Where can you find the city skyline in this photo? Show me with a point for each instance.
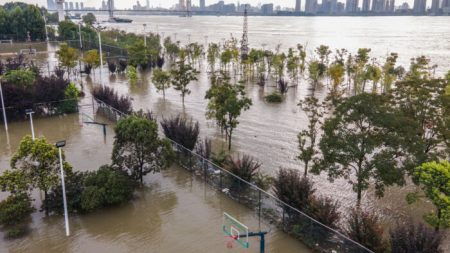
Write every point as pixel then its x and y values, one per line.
pixel 171 3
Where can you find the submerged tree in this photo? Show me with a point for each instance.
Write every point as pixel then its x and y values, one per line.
pixel 137 147
pixel 181 76
pixel 358 144
pixel 38 160
pixel 307 139
pixel 226 103
pixel 161 80
pixel 67 56
pixel 412 237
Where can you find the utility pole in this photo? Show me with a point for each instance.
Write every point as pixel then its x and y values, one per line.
pixel 60 145
pixel 3 107
pixel 244 42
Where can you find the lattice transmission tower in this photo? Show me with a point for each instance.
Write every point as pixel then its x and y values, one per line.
pixel 244 42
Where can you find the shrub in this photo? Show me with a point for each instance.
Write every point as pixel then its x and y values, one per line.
pixel 325 210
pixel 132 73
pixel 74 183
pixel 365 228
pixel 22 77
pixel 70 103
pixel 293 189
pixel 112 66
pixel 245 166
pixel 15 209
pixel 283 86
pixel 181 130
pixel 106 187
pixel 110 97
pixel 412 237
pixel 274 97
pixel 204 149
pixel 122 65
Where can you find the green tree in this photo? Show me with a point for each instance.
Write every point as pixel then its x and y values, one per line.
pixel 307 139
pixel 89 19
pixel 336 72
pixel 38 160
pixel 92 58
pixel 226 103
pixel 434 179
pixel 424 103
pixel 67 56
pixel 161 80
pixel 181 76
pixel 67 30
pixel 358 144
pixel 137 147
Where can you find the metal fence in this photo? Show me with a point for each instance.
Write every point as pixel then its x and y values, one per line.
pixel 311 232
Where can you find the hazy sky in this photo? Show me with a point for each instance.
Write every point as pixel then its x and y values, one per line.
pixel 122 4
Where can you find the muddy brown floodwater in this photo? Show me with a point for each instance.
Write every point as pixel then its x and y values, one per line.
pixel 266 131
pixel 175 212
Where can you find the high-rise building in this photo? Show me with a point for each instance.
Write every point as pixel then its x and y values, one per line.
pixel 267 9
pixel 51 5
pixel 311 6
pixel 70 5
pixel 202 4
pixel 366 6
pixel 182 5
pixel 298 5
pixel 66 5
pixel 333 6
pixel 391 6
pixel 379 5
pixel 77 5
pixel 351 6
pixel 435 6
pixel 148 4
pixel 420 7
pixel 82 5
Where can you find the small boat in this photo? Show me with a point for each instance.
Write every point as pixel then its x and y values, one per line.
pixel 120 20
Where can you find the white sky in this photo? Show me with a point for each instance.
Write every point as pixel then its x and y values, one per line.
pixel 125 4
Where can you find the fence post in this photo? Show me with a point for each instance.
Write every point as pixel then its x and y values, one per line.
pixel 259 208
pixel 220 179
pixel 204 168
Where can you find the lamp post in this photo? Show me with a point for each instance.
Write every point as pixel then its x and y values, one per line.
pixel 145 35
pixel 3 107
pixel 79 35
pixel 45 25
pixel 30 112
pixel 99 29
pixel 60 145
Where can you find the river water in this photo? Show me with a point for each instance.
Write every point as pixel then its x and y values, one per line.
pixel 266 131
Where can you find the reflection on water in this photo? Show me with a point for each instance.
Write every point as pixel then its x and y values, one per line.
pixel 174 213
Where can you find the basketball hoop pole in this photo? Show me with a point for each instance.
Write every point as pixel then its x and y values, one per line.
pixel 262 240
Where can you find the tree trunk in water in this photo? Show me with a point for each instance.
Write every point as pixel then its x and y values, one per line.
pixel 306 169
pixel 229 141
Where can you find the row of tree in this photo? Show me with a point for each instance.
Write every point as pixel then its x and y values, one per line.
pixel 20 21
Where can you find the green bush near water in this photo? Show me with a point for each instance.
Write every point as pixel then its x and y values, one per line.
pixel 274 97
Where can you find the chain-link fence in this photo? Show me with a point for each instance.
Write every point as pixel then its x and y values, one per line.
pixel 265 205
pixel 43 109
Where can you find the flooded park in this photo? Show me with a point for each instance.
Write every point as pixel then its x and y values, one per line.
pixel 176 211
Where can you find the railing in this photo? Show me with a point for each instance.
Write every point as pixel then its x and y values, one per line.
pixel 287 218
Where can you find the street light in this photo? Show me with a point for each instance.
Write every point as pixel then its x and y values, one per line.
pixel 145 35
pixel 3 107
pixel 45 25
pixel 99 29
pixel 59 145
pixel 30 112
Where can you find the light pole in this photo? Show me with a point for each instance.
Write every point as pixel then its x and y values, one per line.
pixel 59 145
pixel 3 107
pixel 79 35
pixel 45 25
pixel 30 112
pixel 99 29
pixel 145 35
